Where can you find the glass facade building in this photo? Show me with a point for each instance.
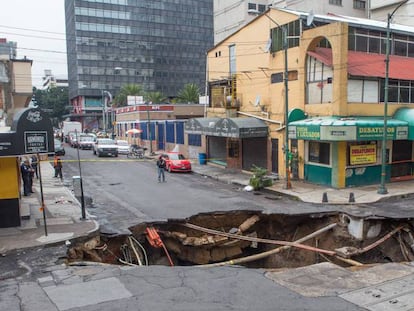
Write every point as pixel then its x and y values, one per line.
pixel 158 44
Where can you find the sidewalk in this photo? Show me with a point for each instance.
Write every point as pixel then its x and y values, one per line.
pixel 311 193
pixel 63 216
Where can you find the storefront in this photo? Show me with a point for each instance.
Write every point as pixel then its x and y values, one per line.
pixel 237 143
pixel 31 133
pixel 346 152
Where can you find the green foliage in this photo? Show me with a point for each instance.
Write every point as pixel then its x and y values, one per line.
pixel 154 97
pixel 120 99
pixel 54 101
pixel 189 94
pixel 258 180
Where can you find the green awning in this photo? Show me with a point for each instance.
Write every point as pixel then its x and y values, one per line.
pixel 407 115
pixel 347 129
pixel 227 127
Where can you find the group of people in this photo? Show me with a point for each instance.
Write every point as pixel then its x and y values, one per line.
pixel 29 169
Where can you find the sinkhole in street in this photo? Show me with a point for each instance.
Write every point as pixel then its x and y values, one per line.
pixel 255 240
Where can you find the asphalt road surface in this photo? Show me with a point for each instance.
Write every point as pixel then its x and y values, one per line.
pixel 126 192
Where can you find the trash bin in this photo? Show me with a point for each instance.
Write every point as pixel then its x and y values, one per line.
pixel 202 158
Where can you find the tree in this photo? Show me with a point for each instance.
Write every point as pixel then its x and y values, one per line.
pixel 189 94
pixel 54 101
pixel 120 99
pixel 154 97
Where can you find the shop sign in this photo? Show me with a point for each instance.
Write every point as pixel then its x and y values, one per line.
pixel 35 142
pixel 310 132
pixel 376 132
pixel 338 133
pixel 363 154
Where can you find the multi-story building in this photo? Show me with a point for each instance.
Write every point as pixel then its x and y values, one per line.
pixel 324 78
pixel 159 44
pixel 50 80
pixel 230 15
pixel 15 82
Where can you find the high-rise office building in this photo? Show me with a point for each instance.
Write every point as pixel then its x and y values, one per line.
pixel 158 44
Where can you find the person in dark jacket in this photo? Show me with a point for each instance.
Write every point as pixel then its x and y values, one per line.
pixel 57 164
pixel 34 165
pixel 161 168
pixel 26 171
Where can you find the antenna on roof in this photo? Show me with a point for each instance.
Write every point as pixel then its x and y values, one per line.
pixel 309 19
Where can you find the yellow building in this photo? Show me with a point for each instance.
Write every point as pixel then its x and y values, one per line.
pixel 332 69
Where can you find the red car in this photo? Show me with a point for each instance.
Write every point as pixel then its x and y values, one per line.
pixel 176 162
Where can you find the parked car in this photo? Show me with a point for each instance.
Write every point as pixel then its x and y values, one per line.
pixel 86 141
pixel 105 147
pixel 123 146
pixel 59 149
pixel 176 162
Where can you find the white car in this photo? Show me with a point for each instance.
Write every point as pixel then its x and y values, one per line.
pixel 123 146
pixel 105 147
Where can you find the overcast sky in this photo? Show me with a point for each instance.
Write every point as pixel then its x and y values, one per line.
pixel 38 27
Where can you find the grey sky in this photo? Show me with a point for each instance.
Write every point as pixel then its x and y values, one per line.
pixel 38 27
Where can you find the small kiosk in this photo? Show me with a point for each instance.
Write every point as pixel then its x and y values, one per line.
pixel 30 133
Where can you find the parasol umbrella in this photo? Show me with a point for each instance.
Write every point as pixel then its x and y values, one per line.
pixel 134 131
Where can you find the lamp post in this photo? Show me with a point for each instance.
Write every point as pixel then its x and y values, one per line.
pixel 288 184
pixel 382 189
pixel 149 127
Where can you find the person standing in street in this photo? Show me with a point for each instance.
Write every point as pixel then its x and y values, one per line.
pixel 57 164
pixel 161 168
pixel 26 171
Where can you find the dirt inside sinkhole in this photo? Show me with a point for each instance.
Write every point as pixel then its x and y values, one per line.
pixel 209 238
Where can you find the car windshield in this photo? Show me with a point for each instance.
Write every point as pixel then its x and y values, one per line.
pixel 176 156
pixel 57 143
pixel 122 143
pixel 106 142
pixel 86 138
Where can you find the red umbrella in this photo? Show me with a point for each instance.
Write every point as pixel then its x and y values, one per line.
pixel 134 131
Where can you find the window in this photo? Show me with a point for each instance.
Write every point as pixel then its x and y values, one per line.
pixel 319 152
pixel 194 140
pixel 293 34
pixel 359 4
pixel 251 6
pixel 335 2
pixel 232 58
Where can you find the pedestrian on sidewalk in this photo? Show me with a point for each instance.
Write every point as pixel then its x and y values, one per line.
pixel 57 164
pixel 34 165
pixel 26 171
pixel 161 168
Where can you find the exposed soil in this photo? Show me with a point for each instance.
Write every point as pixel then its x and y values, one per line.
pixel 224 238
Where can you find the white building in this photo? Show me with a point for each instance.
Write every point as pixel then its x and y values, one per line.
pixel 49 80
pixel 230 15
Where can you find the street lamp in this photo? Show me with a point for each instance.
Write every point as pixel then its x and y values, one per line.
pixel 104 116
pixel 285 48
pixel 382 189
pixel 149 127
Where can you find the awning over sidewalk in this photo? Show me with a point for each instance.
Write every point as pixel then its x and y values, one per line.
pixel 406 114
pixel 347 129
pixel 370 64
pixel 227 127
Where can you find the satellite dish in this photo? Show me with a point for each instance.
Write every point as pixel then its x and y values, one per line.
pixel 257 101
pixel 309 19
pixel 268 45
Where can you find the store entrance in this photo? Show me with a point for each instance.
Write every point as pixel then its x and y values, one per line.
pixel 402 163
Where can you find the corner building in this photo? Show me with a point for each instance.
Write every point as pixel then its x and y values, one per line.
pixel 335 72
